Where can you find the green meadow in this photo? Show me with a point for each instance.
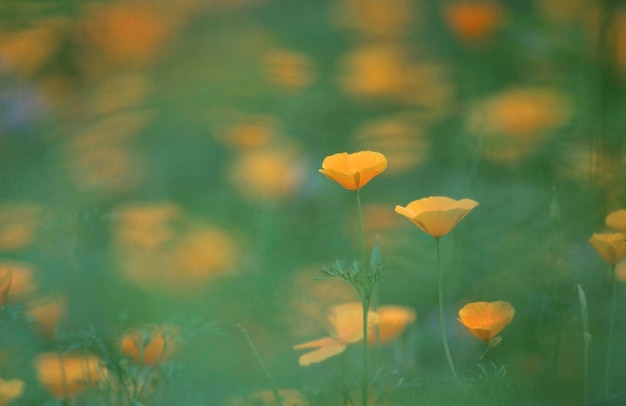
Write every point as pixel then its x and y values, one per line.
pixel 178 221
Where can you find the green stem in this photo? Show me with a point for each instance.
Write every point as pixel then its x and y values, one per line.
pixel 584 312
pixel 259 361
pixel 364 294
pixel 609 344
pixel 441 314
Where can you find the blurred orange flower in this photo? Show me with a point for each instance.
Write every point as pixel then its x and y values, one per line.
pixel 67 374
pixel 437 215
pixel 393 320
pixel 246 131
pixel 617 220
pixel 18 225
pixel 514 121
pixel 347 322
pixel 485 320
pixel 389 72
pixel 401 138
pixel 473 20
pixel 10 390
pixel 610 246
pixel 22 283
pixel 27 50
pixel 47 312
pixel 271 173
pixel 127 33
pixel 289 69
pixel 160 247
pixel 353 171
pixel 150 345
pixel 375 18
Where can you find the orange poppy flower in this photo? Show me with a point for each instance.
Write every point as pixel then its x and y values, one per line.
pixel 65 375
pixel 617 220
pixel 473 20
pixel 437 215
pixel 485 320
pixel 610 246
pixel 347 322
pixel 393 320
pixel 150 344
pixel 353 171
pixel 10 390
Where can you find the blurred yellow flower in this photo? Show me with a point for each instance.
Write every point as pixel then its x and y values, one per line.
pixel 353 171
pixel 67 374
pixel 347 322
pixel 437 215
pixel 485 320
pixel 617 220
pixel 393 320
pixel 10 390
pixel 473 20
pixel 610 246
pixel 148 346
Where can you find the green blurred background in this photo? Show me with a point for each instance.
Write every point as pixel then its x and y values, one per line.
pixel 159 165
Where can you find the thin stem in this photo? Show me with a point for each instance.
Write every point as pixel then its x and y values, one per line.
pixel 441 314
pixel 609 344
pixel 364 294
pixel 586 340
pixel 259 361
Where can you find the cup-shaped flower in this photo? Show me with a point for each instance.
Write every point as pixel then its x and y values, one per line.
pixel 485 320
pixel 617 220
pixel 149 345
pixel 393 320
pixel 347 322
pixel 353 171
pixel 610 246
pixel 437 215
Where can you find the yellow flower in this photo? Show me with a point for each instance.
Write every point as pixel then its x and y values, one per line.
pixel 353 171
pixel 347 321
pixel 9 390
pixel 617 220
pixel 486 319
pixel 393 320
pixel 437 215
pixel 610 246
